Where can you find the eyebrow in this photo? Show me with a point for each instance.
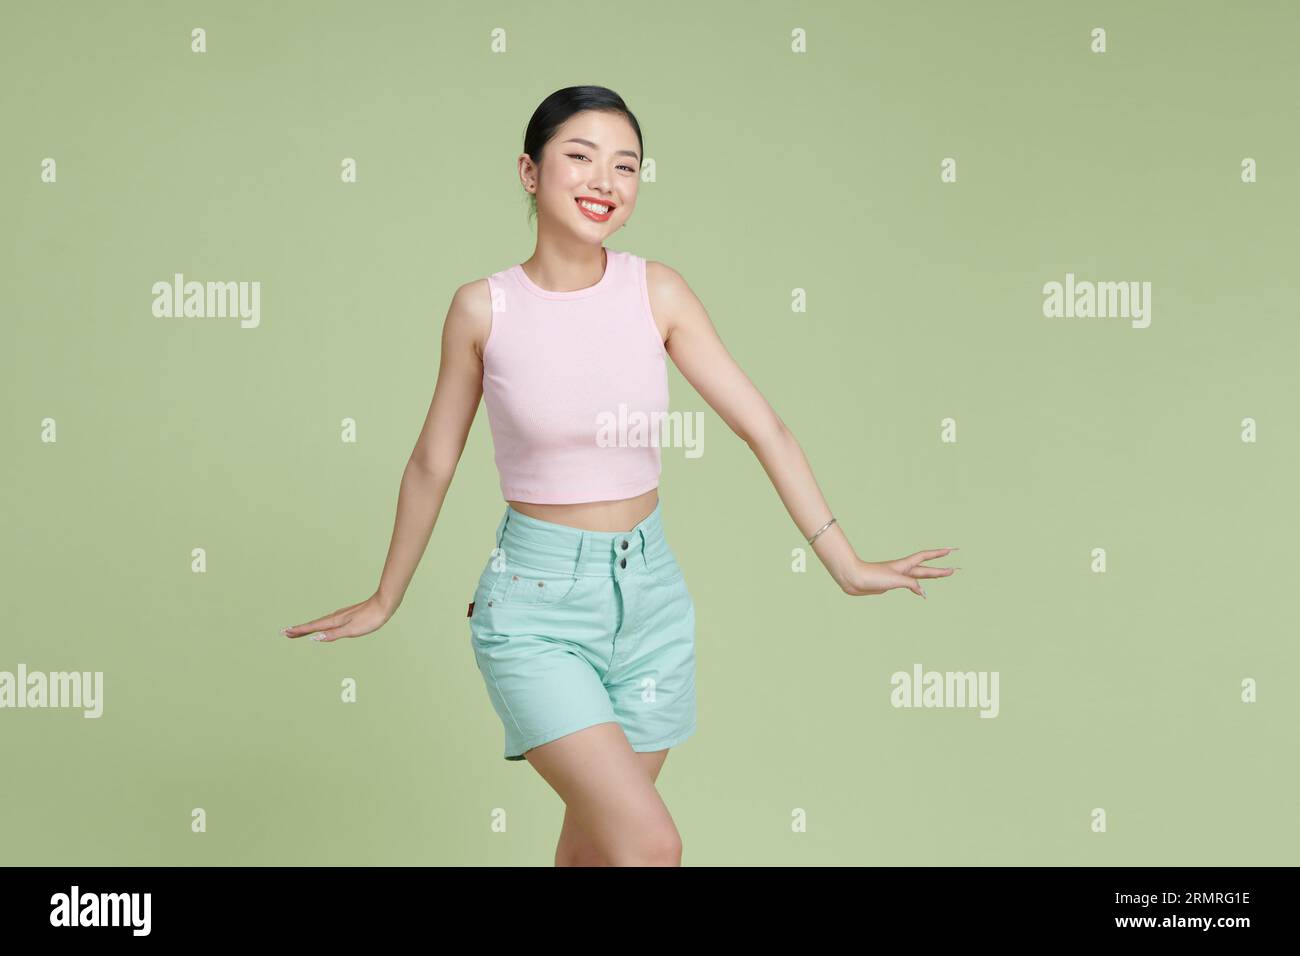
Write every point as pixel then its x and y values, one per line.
pixel 617 152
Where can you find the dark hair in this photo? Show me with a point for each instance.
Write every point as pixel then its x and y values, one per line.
pixel 556 109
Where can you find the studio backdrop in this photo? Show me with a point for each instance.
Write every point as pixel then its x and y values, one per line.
pixel 1020 276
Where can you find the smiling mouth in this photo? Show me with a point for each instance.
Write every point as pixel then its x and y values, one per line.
pixel 595 210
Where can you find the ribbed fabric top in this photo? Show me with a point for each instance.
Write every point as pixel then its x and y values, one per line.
pixel 575 385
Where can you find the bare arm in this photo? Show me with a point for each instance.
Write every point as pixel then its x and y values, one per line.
pixel 698 352
pixel 429 471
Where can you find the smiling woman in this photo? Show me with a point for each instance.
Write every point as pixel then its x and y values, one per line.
pixel 582 624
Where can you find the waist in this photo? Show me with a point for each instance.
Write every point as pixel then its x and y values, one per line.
pixel 564 549
pixel 592 514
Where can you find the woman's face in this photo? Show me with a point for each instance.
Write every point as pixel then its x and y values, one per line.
pixel 593 159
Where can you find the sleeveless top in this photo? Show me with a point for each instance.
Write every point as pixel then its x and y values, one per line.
pixel 576 386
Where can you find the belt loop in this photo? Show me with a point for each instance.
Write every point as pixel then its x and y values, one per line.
pixel 645 561
pixel 582 540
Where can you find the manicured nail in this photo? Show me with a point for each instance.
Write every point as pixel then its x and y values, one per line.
pixel 318 636
pixel 923 594
pixel 285 631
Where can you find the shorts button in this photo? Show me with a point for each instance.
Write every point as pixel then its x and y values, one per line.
pixel 622 562
pixel 624 545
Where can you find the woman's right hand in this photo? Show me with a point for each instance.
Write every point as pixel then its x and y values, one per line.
pixel 351 621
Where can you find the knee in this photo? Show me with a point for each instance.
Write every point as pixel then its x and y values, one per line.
pixel 580 856
pixel 656 848
pixel 669 851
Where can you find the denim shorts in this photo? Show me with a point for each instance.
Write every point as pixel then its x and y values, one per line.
pixel 572 628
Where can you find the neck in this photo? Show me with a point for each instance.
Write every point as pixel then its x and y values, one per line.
pixel 565 267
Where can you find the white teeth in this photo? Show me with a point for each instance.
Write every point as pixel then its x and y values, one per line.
pixel 599 210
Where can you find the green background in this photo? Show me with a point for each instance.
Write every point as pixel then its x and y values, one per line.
pixel 775 171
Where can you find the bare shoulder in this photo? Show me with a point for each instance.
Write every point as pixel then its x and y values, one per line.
pixel 664 282
pixel 672 301
pixel 469 318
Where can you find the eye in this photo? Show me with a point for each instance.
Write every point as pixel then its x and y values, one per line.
pixel 584 156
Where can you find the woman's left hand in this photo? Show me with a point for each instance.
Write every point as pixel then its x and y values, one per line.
pixel 867 577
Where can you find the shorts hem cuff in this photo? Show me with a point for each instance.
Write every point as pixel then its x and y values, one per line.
pixel 550 735
pixel 666 742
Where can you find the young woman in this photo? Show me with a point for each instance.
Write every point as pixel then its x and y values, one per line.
pixel 581 623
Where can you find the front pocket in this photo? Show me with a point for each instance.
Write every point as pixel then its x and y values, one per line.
pixel 520 586
pixel 489 583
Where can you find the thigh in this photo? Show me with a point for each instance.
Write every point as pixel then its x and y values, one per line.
pixel 651 763
pixel 609 792
pixel 575 847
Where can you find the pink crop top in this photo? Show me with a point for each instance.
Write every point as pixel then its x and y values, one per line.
pixel 576 386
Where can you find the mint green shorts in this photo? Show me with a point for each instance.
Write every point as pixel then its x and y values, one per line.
pixel 572 628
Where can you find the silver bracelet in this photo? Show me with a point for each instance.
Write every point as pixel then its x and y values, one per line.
pixel 820 530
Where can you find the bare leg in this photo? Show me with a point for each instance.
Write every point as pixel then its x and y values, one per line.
pixel 610 797
pixel 575 847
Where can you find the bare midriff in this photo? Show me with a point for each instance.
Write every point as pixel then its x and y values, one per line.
pixel 622 515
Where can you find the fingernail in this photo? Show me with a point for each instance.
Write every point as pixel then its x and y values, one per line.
pixel 923 594
pixel 318 636
pixel 284 631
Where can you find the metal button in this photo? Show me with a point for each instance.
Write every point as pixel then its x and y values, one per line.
pixel 515 577
pixel 625 545
pixel 622 562
pixel 541 584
